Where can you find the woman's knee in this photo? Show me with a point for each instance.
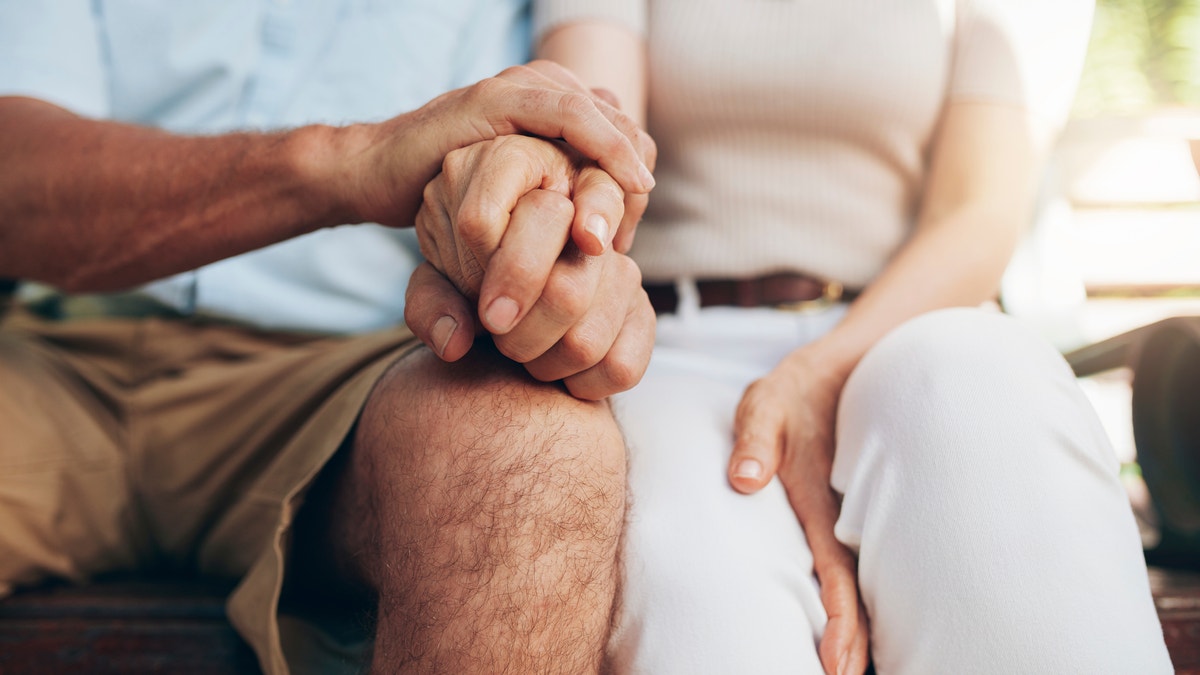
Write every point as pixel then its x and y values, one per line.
pixel 953 348
pixel 958 381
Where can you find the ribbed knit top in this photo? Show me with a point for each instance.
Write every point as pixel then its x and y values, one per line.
pixel 794 135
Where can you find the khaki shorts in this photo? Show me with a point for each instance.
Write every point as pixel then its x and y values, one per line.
pixel 134 443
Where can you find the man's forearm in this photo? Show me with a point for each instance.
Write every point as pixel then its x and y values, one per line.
pixel 91 205
pixel 94 205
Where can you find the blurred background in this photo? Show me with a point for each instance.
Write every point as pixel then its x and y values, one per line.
pixel 1116 240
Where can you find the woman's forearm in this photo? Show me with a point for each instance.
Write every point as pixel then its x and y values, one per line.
pixel 975 205
pixel 957 263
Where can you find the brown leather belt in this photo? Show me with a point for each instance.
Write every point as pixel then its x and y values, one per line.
pixel 792 292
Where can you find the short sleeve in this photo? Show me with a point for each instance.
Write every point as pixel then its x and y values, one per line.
pixel 1027 53
pixel 548 14
pixel 52 51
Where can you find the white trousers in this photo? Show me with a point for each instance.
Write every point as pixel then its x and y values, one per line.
pixel 980 495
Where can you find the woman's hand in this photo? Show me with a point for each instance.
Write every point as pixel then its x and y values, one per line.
pixel 785 426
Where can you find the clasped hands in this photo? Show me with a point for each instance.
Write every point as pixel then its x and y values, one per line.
pixel 524 239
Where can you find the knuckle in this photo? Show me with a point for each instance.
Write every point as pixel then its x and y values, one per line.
pixel 603 188
pixel 491 87
pixel 583 388
pixel 551 207
pixel 460 164
pixel 577 106
pixel 431 194
pixel 456 161
pixel 471 223
pixel 607 97
pixel 520 71
pixel 547 66
pixel 624 372
pixel 507 146
pixel 752 441
pixel 418 288
pixel 643 307
pixel 427 244
pixel 753 409
pixel 523 265
pixel 760 391
pixel 556 206
pixel 541 99
pixel 582 348
pixel 512 348
pixel 566 295
pixel 629 270
pixel 753 388
pixel 410 312
pixel 469 278
pixel 625 122
pixel 561 208
pixel 542 200
pixel 543 374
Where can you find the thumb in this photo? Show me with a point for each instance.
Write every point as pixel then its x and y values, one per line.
pixel 599 210
pixel 438 314
pixel 758 441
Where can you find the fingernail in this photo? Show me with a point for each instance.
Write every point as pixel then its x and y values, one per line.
pixel 748 468
pixel 443 330
pixel 501 314
pixel 598 227
pixel 647 178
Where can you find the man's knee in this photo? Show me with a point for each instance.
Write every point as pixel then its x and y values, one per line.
pixel 495 505
pixel 480 444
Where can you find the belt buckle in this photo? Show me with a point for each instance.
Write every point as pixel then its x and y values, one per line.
pixel 830 296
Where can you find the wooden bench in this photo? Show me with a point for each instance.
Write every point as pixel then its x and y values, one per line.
pixel 1177 598
pixel 122 625
pixel 138 627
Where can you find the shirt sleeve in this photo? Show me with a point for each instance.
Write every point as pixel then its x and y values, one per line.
pixel 52 51
pixel 547 14
pixel 1027 53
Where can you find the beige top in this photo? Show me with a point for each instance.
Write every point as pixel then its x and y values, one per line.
pixel 794 134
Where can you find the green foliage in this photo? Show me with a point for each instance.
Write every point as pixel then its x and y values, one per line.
pixel 1143 54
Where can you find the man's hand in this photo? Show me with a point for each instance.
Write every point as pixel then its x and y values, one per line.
pixel 542 99
pixel 785 426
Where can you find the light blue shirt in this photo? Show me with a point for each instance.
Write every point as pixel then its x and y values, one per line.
pixel 220 65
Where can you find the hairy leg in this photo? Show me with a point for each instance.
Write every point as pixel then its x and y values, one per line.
pixel 484 512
